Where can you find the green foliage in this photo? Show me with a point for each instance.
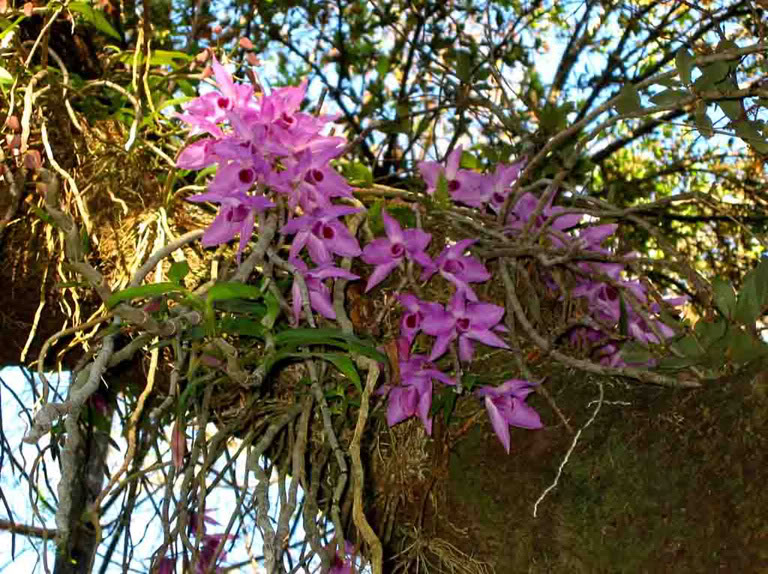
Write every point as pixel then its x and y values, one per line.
pixel 628 100
pixel 94 17
pixel 144 291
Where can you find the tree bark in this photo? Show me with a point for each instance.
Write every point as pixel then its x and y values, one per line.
pixel 77 554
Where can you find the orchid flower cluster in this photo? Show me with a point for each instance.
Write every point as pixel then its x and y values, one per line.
pixel 606 296
pixel 268 152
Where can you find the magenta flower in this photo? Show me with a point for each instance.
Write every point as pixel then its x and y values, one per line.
pixel 461 183
pixel 525 208
pixel 459 269
pixel 207 111
pixel 413 396
pixel 506 406
pixel 498 184
pixel 592 238
pixel 208 548
pixel 309 181
pixel 466 322
pixel 344 564
pixel 323 234
pixel 386 253
pixel 410 323
pixel 319 293
pixel 166 565
pixel 236 215
pixel 197 155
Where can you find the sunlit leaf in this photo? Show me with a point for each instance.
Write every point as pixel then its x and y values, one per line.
pixel 95 18
pixel 684 64
pixel 628 101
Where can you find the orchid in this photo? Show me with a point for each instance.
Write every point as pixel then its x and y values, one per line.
pixel 411 321
pixel 498 185
pixel 323 234
pixel 309 181
pixel 413 396
pixel 197 155
pixel 207 111
pixel 466 322
pixel 210 542
pixel 344 564
pixel 237 215
pixel 406 401
pixel 319 293
pixel 459 269
pixel 387 253
pixel 506 406
pixel 462 183
pixel 524 209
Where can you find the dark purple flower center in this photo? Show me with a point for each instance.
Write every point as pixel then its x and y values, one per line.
pixel 237 214
pixel 246 176
pixel 314 176
pixel 611 293
pixel 223 103
pixel 397 250
pixel 413 320
pixel 454 185
pixel 498 197
pixel 328 232
pixel 285 119
pixel 463 324
pixel 453 266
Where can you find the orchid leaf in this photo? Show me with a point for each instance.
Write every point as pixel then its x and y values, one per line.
pixel 725 298
pixel 178 270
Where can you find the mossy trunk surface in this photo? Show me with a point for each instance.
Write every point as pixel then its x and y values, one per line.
pixel 673 481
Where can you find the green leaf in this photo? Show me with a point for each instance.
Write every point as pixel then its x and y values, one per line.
pixel 358 174
pixel 689 347
pixel 668 97
pixel 703 123
pixel 242 326
pixel 328 336
pixel 178 270
pixel 623 317
pixel 635 353
pixel 232 290
pixel 628 101
pixel 748 307
pixel 725 298
pixel 684 64
pixel 742 347
pixel 731 108
pixel 143 291
pixel 711 75
pixel 273 310
pixel 5 76
pixel 168 57
pixel 382 66
pixel 346 366
pixel 468 161
pixel 747 130
pixel 10 27
pixel 464 65
pixel 95 18
pixel 709 332
pixel 374 217
pixel 442 197
pixel 675 363
pixel 761 281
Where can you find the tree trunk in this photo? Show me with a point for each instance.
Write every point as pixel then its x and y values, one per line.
pixel 77 555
